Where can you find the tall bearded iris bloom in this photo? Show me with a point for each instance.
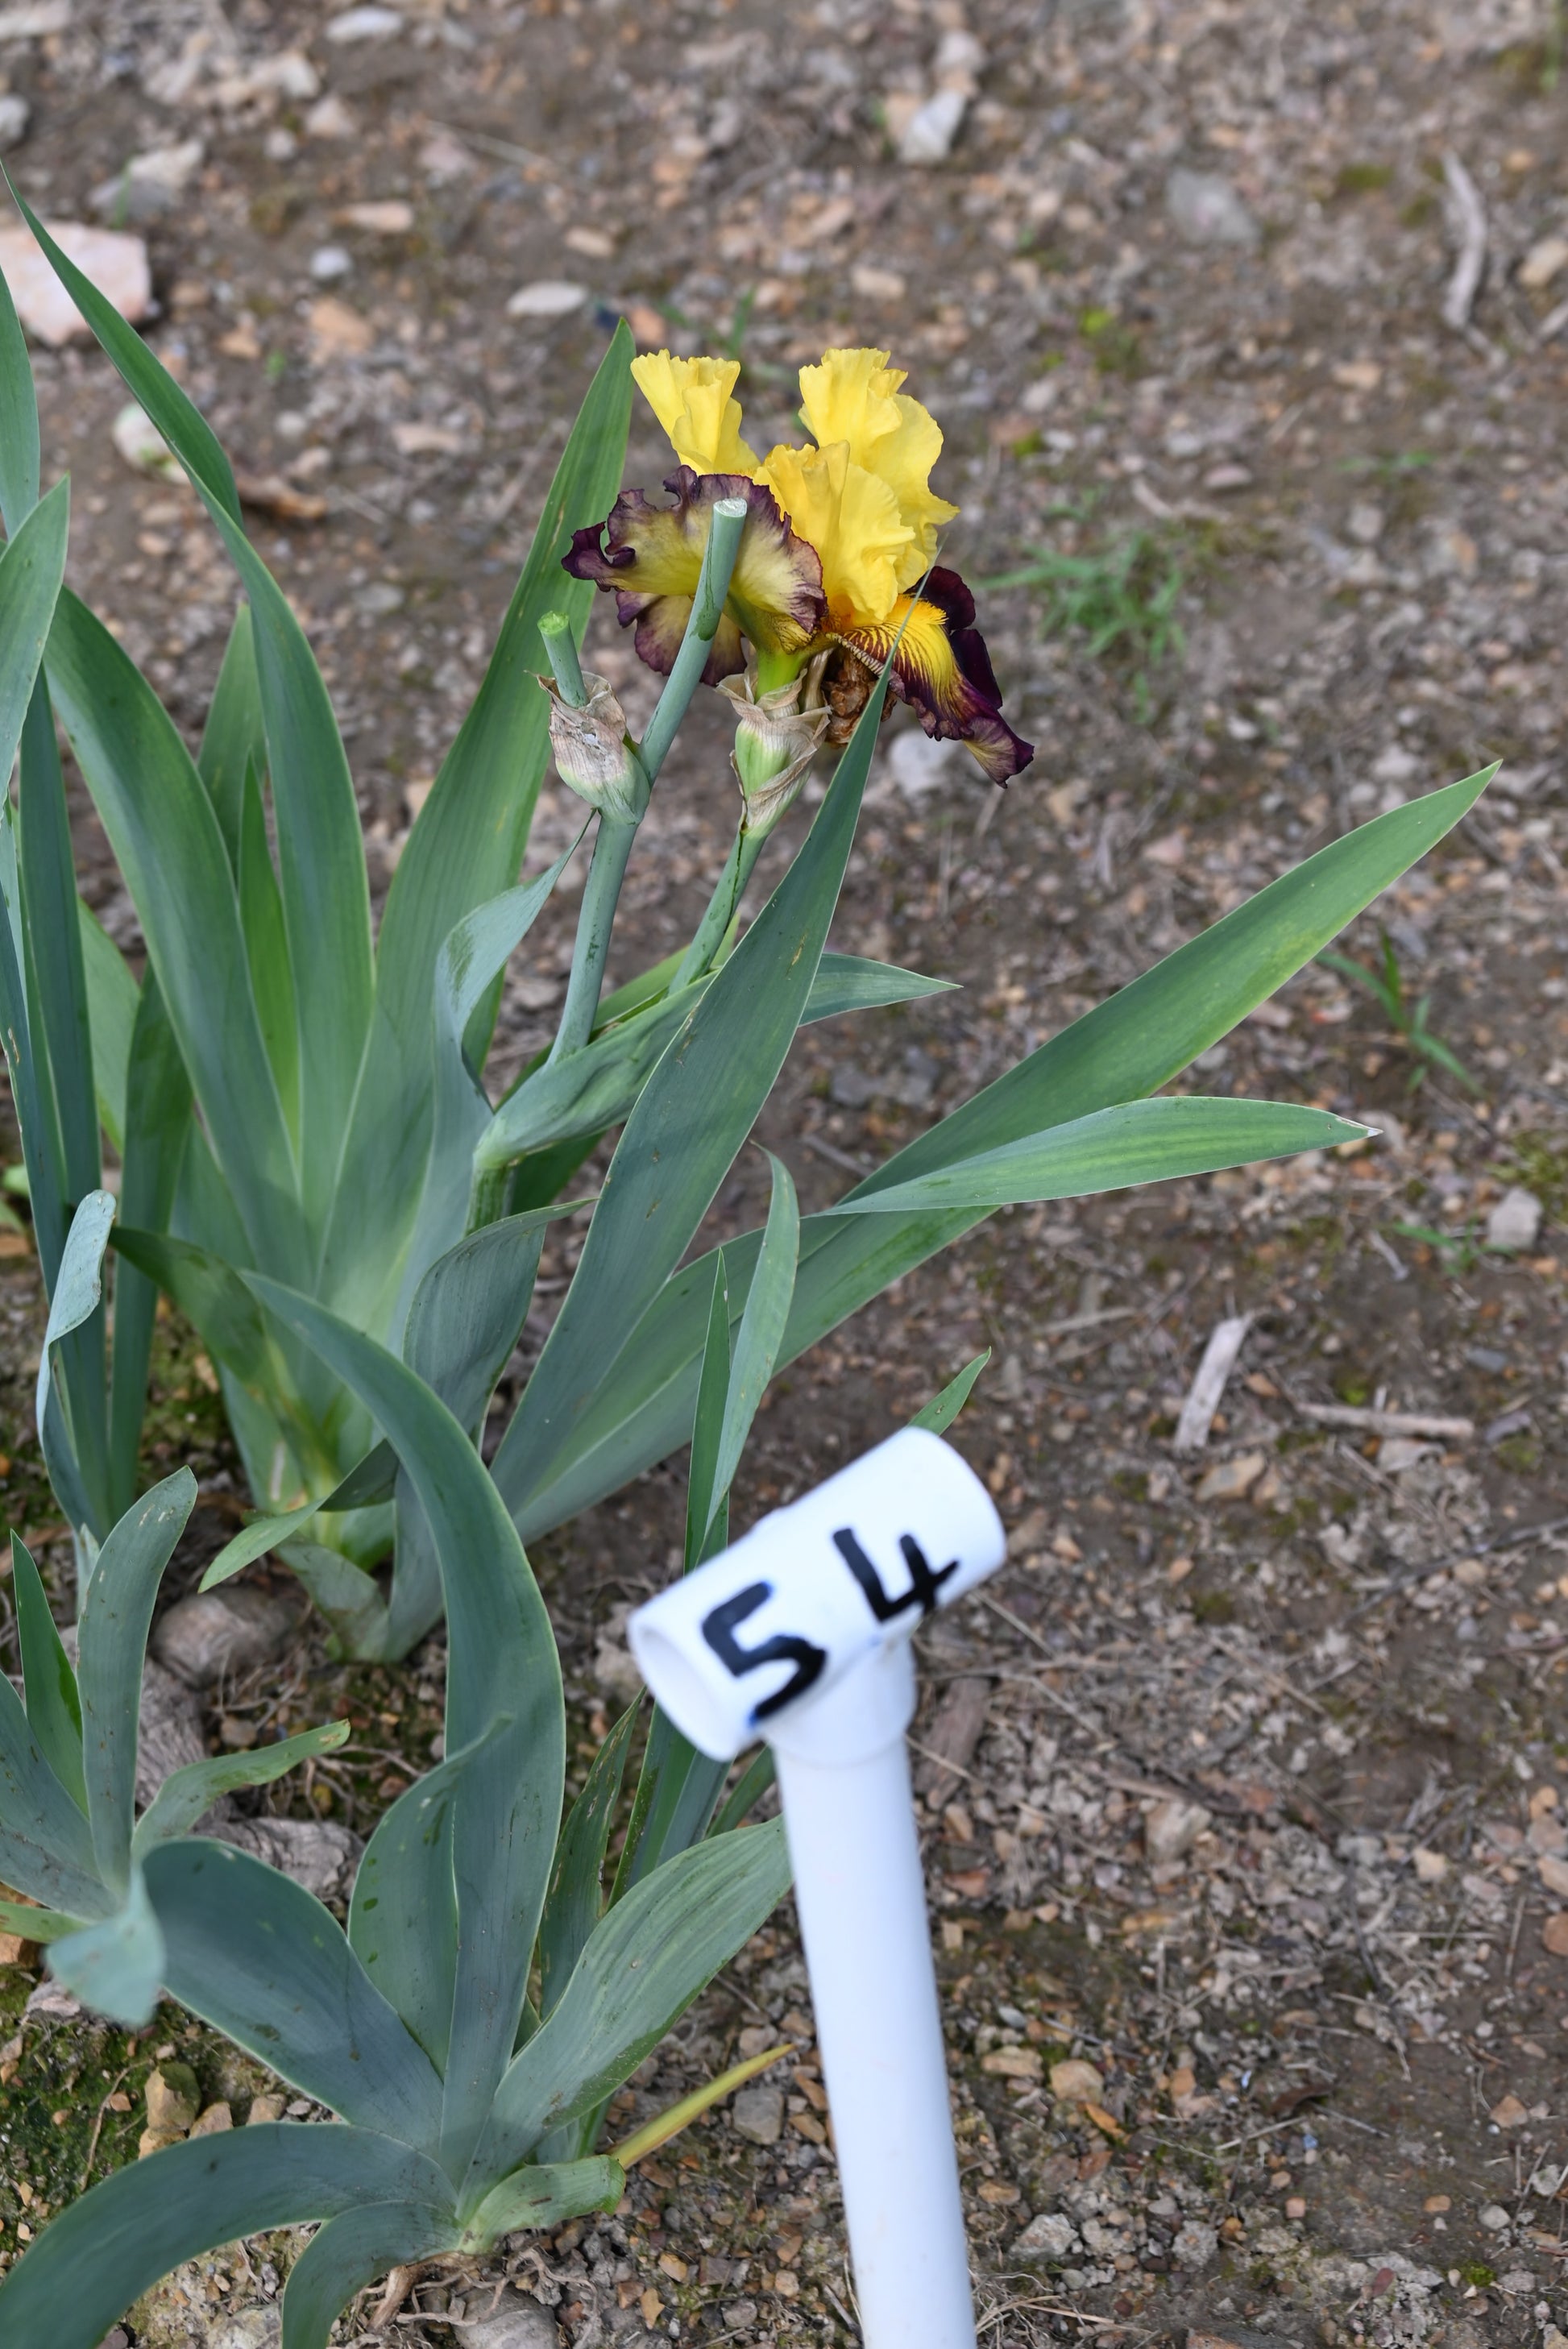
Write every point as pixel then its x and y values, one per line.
pixel 836 559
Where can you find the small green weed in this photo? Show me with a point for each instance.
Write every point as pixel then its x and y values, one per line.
pixel 1118 600
pixel 1410 1022
pixel 1362 179
pixel 1461 1251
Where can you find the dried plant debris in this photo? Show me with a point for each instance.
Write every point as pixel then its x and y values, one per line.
pixel 1243 1802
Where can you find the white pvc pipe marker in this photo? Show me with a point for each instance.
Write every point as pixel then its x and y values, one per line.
pixel 800 1633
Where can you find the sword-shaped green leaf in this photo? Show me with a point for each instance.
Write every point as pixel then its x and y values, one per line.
pixel 117 1965
pixel 49 1684
pixel 253 1954
pixel 105 2249
pixel 117 1615
pixel 187 1794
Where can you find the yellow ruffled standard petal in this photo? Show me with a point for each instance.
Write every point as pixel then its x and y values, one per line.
pixel 692 399
pixel 853 398
pixel 853 519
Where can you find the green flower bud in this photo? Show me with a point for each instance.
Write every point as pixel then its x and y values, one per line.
pixel 775 742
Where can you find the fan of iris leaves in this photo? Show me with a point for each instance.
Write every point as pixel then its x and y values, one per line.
pixel 483 2003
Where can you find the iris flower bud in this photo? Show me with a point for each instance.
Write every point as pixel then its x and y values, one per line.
pixel 594 755
pixel 775 742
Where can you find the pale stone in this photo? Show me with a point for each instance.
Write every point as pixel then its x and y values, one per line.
pixel 1171 1828
pixel 758 2114
pixel 218 1631
pixel 151 184
pixel 116 264
pixel 1049 2236
pixel 547 297
pixel 928 134
pixel 1195 2246
pixel 1206 210
pixel 1232 1480
pixel 1544 261
pixel 369 24
pixel 1515 1222
pixel 1076 2082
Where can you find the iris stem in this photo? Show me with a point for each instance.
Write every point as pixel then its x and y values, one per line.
pixel 613 843
pixel 745 850
pixel 600 895
pixel 706 611
pixel 560 650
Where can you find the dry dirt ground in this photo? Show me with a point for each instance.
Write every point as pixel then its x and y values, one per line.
pixel 1248 1789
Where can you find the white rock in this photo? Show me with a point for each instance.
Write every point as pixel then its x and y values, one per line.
pixel 116 264
pixel 248 2328
pixel 143 446
pixel 151 184
pixel 287 74
pixel 1494 2217
pixel 317 1853
pixel 928 134
pixel 515 2324
pixel 759 2114
pixel 1172 1828
pixel 1195 2246
pixel 369 24
pixel 1395 765
pixel 1049 2236
pixel 15 116
pixel 31 21
pixel 217 1632
pixel 330 119
pixel 1207 209
pixel 1544 262
pixel 330 262
pixel 1515 1221
pixel 960 61
pixel 918 764
pixel 547 297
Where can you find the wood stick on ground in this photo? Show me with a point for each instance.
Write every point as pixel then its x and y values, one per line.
pixel 1389 1422
pixel 1204 1395
pixel 1468 215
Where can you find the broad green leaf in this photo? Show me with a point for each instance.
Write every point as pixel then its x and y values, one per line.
pixel 938 1416
pixel 542 2195
pixel 158 1132
pixel 116 1967
pixel 353 2251
pixel 467 1316
pixel 166 843
pixel 42 1925
pixel 18 420
pixel 117 1615
pixel 256 1956
pixel 852 983
pixel 234 737
pixel 639 1972
pixel 326 892
pixel 588 1090
pixel 746 1792
pixel 32 565
pixel 187 1794
pixel 472 958
pixel 53 1707
pixel 41 1150
pixel 113 997
pixel 577 1889
pixel 762 1324
pixel 681 1137
pixel 466 846
pixel 403 1918
pixel 501 1663
pixel 45 1844
pixel 1129 1046
pixel 77 1294
pixel 114 2243
pixel 267 951
pixel 182 425
pixel 1111 1149
pixel 705 1497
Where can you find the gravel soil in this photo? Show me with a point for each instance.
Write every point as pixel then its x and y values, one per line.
pixel 1245 1787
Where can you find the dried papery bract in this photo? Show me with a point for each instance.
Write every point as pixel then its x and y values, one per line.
pixel 776 736
pixel 592 754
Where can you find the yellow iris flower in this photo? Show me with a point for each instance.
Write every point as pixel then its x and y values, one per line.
pixel 838 553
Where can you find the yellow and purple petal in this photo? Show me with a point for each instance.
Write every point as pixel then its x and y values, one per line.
pixel 942 671
pixel 651 556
